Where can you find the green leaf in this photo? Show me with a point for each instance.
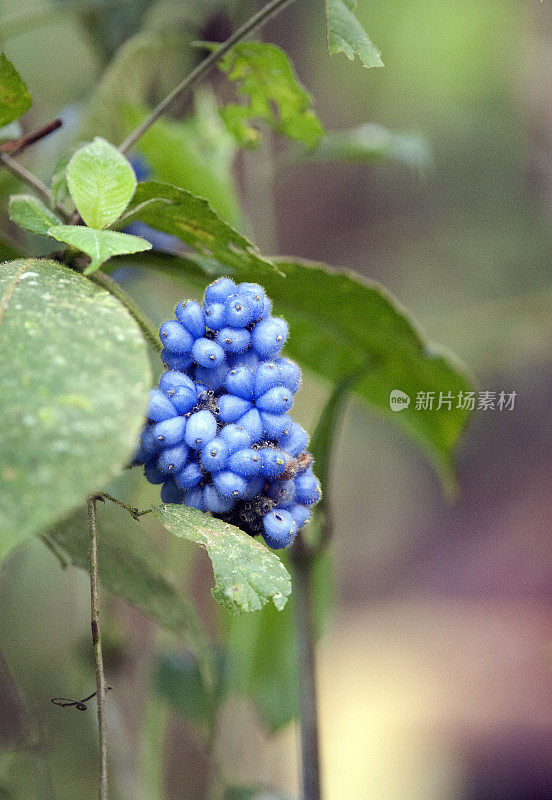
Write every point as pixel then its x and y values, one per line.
pixel 58 184
pixel 130 566
pixel 247 573
pixel 30 213
pixel 266 77
pixel 346 34
pixel 75 379
pixel 99 245
pixel 101 182
pixel 196 153
pixel 178 680
pixel 262 651
pixel 178 212
pixel 339 322
pixel 373 144
pixel 15 99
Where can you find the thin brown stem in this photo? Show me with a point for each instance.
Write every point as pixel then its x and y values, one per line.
pixel 150 333
pixel 31 180
pixel 258 19
pixel 97 643
pixel 302 561
pixel 13 146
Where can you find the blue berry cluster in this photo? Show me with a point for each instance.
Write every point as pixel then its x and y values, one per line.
pixel 219 437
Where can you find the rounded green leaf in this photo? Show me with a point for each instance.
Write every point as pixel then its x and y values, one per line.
pixel 101 182
pixel 30 213
pixel 75 378
pixel 99 245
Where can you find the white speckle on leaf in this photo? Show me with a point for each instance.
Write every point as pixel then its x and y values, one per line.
pixel 29 275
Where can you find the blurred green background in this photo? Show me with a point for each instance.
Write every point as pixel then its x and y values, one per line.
pixel 436 666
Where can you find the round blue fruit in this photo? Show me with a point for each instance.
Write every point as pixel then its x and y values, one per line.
pixel 200 429
pixel 279 528
pixel 208 353
pixel 190 314
pixel 175 337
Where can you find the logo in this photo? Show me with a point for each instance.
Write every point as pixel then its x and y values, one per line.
pixel 398 400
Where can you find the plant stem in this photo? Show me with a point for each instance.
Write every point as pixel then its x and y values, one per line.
pixel 302 561
pixel 14 146
pixel 97 642
pixel 254 22
pixel 132 510
pixel 31 180
pixel 54 548
pixel 113 288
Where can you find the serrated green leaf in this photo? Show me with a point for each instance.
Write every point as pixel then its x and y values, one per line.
pixel 15 99
pixel 131 567
pixel 247 573
pixel 266 77
pixel 30 213
pixel 346 34
pixel 373 144
pixel 339 322
pixel 180 213
pixel 99 245
pixel 75 378
pixel 101 182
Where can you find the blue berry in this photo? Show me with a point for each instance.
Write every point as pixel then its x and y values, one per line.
pixel 307 488
pixel 193 498
pixel 160 407
pixel 275 425
pixel 294 441
pixel 215 316
pixel 235 340
pixel 254 486
pixel 273 462
pixel 252 423
pixel 232 407
pixel 148 446
pixel 290 374
pixel 267 377
pixel 175 337
pixel 211 378
pixel 269 336
pixel 184 399
pixel 154 474
pixel 279 528
pixel 201 428
pixel 256 294
pixel 240 382
pixel 215 502
pixel 170 493
pixel 229 484
pixel 214 455
pixel 170 431
pixel 219 290
pixel 190 314
pixel 180 361
pixel 276 401
pixel 172 379
pixel 189 476
pixel 282 492
pixel 235 437
pixel 172 459
pixel 248 359
pixel 301 514
pixel 245 462
pixel 239 310
pixel 208 353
